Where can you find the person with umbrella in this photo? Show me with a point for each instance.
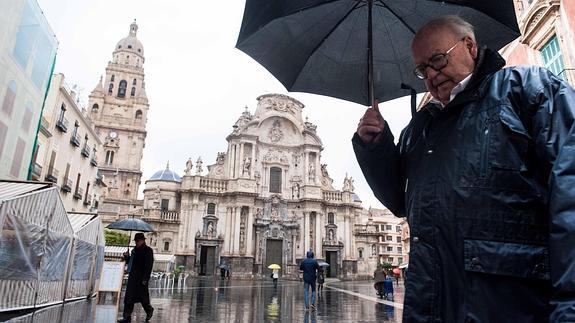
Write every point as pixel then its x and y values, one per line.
pixel 484 173
pixel 379 277
pixel 309 267
pixel 140 263
pixel 275 273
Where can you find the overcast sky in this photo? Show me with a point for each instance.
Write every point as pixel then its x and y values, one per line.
pixel 197 82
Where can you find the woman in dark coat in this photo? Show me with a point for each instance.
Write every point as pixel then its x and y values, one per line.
pixel 140 264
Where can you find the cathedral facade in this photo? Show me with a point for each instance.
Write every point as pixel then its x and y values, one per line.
pixel 267 199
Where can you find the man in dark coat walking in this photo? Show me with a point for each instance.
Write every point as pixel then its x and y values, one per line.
pixel 310 267
pixel 485 174
pixel 140 264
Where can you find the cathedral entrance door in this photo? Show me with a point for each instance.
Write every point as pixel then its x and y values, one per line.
pixel 331 259
pixel 207 261
pixel 273 253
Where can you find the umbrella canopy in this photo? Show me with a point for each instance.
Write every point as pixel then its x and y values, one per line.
pixel 274 266
pixel 321 46
pixel 131 224
pixel 396 271
pixel 323 264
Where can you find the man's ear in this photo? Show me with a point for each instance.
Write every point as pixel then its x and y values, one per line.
pixel 471 47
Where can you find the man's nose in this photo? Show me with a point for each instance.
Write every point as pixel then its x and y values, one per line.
pixel 431 72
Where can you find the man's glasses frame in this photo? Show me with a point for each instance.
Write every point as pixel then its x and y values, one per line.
pixel 437 62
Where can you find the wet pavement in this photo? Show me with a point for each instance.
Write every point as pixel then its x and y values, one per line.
pixel 214 300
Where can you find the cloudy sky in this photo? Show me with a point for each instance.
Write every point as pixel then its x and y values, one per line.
pixel 197 82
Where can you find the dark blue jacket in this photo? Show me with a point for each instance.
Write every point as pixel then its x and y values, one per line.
pixel 310 268
pixel 488 187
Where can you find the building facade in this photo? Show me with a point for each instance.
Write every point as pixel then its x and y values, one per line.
pixel 27 52
pixel 267 199
pixel 118 107
pixel 67 148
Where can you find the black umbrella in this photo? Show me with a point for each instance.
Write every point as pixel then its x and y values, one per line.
pixel 324 46
pixel 131 224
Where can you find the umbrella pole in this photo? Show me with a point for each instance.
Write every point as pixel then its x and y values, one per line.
pixel 370 54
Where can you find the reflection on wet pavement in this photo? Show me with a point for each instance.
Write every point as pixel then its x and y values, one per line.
pixel 213 300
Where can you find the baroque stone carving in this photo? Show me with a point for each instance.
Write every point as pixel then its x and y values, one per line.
pixel 276 134
pixel 189 166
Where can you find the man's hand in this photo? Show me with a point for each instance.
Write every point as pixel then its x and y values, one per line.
pixel 371 126
pixel 145 282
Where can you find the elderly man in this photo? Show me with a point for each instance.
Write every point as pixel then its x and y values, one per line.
pixel 140 264
pixel 485 174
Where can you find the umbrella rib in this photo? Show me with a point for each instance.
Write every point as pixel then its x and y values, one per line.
pixel 323 40
pixel 397 16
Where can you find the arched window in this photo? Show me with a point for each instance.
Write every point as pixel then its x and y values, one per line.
pixel 112 78
pixel 133 92
pixel 330 218
pixel 275 180
pixel 360 253
pixel 110 88
pixel 166 245
pixel 211 208
pixel 95 108
pixel 134 82
pixel 109 157
pixel 122 89
pixel 139 114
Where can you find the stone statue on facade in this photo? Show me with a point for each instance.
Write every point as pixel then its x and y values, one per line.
pixel 189 166
pixel 199 169
pixel 330 235
pixel 348 183
pixel 247 166
pixel 311 173
pixel 210 230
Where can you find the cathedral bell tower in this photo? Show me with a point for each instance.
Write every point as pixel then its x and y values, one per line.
pixel 119 109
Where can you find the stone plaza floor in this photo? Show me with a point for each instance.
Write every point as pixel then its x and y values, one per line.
pixel 214 300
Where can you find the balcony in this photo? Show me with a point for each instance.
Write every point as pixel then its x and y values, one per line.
pixel 86 151
pixel 52 175
pixel 78 194
pixel 36 172
pixel 170 216
pixel 75 140
pixel 62 124
pixel 99 178
pixel 45 127
pixel 93 161
pixel 67 186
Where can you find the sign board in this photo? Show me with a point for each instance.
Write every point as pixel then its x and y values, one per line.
pixel 112 275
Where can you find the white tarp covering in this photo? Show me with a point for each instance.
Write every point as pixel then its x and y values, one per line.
pixel 84 263
pixel 35 244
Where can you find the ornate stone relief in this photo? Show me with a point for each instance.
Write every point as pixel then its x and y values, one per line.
pixel 276 134
pixel 275 156
pixel 279 105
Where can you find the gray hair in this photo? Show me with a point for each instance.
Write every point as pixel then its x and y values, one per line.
pixel 456 24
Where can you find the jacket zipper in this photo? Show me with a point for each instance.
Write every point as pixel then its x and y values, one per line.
pixel 484 152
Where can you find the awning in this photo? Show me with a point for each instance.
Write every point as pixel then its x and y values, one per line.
pixel 403 265
pixel 163 258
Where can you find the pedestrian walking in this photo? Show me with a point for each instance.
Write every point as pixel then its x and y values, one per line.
pixel 309 267
pixel 140 263
pixel 379 277
pixel 320 281
pixel 484 173
pixel 275 276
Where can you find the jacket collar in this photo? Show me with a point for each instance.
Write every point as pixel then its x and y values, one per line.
pixel 488 62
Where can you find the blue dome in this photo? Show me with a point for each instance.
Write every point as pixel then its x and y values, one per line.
pixel 355 198
pixel 166 175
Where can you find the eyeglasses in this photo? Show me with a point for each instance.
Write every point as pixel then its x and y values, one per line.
pixel 437 62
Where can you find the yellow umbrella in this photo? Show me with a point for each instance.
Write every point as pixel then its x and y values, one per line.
pixel 274 266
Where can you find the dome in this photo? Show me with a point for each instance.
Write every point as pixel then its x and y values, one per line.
pixel 131 43
pixel 355 198
pixel 166 175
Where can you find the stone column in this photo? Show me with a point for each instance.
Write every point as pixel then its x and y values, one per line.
pixel 253 167
pixel 241 161
pixel 229 237
pixel 237 219
pixel 302 234
pixel 249 232
pixel 306 233
pixel 318 236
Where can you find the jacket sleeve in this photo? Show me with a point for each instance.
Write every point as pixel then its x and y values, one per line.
pixel 148 265
pixel 382 169
pixel 553 129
